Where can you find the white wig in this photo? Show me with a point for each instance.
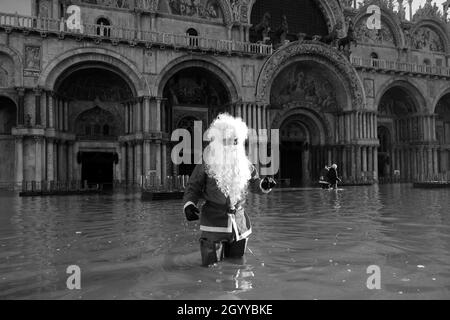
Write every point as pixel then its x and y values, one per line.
pixel 227 163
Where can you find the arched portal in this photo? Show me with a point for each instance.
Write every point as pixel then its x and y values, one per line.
pixel 91 105
pixel 400 128
pixel 8 120
pixel 193 94
pixel 300 143
pixel 442 113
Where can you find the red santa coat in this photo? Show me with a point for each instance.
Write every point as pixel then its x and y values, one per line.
pixel 218 220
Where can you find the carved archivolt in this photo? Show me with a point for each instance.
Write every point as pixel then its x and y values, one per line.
pixel 389 34
pixel 318 51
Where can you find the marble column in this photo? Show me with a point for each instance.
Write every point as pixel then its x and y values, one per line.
pixel 70 161
pixel 370 160
pixel 61 115
pixel 37 106
pixel 56 112
pixel 435 161
pixel 158 160
pixel 147 157
pixel 138 107
pixel 430 162
pixel 126 115
pixel 44 108
pixel 123 162
pixel 66 116
pixel 19 160
pixel 76 172
pixel 38 159
pixel 375 163
pixel 50 159
pixel 138 161
pixel 358 162
pixel 55 160
pixel 364 159
pixel 163 114
pixel 158 115
pixel 163 161
pixel 130 162
pixel 51 112
pixel 21 106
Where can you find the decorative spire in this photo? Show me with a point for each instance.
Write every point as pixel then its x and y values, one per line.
pixel 401 10
pixel 388 4
pixel 429 10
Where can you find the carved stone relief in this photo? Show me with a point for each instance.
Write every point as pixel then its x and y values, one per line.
pixel 303 84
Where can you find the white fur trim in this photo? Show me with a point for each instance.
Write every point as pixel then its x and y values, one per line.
pixel 188 203
pixel 228 229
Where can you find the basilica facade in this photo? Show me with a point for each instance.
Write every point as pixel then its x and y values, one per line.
pixel 99 103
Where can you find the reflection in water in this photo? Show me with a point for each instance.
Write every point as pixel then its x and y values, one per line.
pixel 309 244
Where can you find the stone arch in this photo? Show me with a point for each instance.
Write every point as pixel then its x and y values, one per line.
pixel 226 11
pixel 438 97
pixel 331 10
pixel 18 65
pixel 324 129
pixel 210 64
pixel 120 64
pixel 390 19
pixel 417 97
pixel 333 60
pixel 438 27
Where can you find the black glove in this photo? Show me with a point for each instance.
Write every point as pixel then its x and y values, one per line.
pixel 191 212
pixel 268 183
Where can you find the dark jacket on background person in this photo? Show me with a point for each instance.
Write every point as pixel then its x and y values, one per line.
pixel 332 176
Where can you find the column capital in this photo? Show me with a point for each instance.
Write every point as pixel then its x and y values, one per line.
pixel 37 138
pixel 18 138
pixel 37 91
pixel 20 91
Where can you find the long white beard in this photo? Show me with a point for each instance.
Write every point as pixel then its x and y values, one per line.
pixel 231 169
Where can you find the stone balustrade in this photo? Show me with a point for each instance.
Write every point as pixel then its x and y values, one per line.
pixel 134 36
pixel 401 67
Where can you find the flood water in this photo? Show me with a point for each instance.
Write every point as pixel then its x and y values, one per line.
pixel 308 244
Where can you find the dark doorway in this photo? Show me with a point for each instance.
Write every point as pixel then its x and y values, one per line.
pixel 97 168
pixel 291 162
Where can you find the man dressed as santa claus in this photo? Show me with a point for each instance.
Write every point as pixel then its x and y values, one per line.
pixel 223 180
